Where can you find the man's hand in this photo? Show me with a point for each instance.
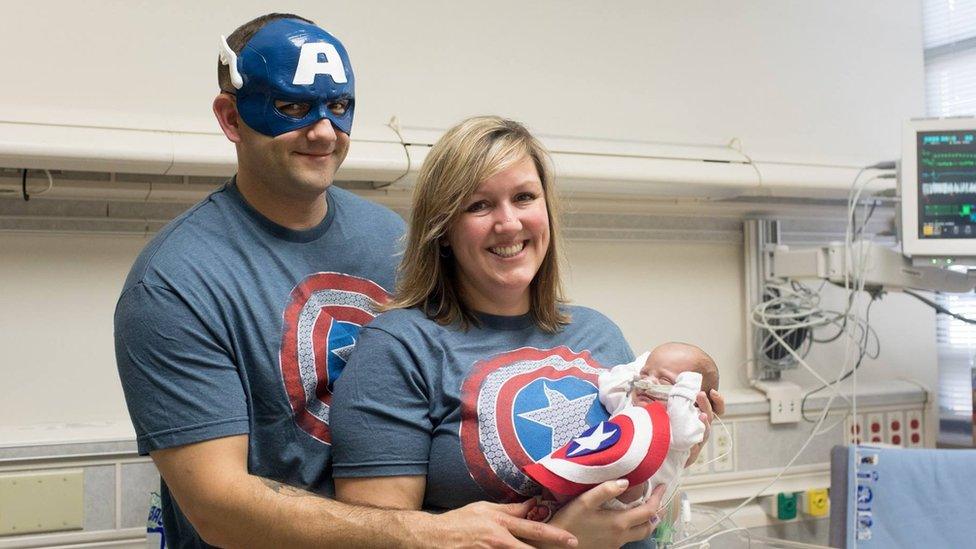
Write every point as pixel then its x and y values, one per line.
pixel 485 524
pixel 707 413
pixel 598 527
pixel 231 508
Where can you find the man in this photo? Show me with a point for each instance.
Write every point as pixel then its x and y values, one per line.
pixel 239 315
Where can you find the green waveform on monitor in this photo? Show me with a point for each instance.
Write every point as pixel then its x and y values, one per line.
pixel 962 210
pixel 960 159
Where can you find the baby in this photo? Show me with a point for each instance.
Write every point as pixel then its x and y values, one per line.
pixel 656 376
pixel 651 402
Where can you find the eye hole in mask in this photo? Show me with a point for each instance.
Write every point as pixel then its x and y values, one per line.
pixel 292 109
pixel 300 109
pixel 339 107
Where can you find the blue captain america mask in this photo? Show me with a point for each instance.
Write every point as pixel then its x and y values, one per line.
pixel 297 63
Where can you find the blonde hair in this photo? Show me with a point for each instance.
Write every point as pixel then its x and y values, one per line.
pixel 464 157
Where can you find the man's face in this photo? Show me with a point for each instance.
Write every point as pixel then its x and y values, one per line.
pixel 301 162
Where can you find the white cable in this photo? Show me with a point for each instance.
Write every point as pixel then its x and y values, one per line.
pixel 714 513
pixel 687 541
pixel 759 312
pixel 736 144
pixel 856 285
pixel 728 436
pixel 50 184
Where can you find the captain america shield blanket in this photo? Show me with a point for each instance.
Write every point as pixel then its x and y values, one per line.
pixel 632 445
pixel 519 406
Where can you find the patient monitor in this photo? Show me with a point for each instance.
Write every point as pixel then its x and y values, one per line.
pixel 937 220
pixel 938 191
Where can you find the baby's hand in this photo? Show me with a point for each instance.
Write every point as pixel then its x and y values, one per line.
pixel 633 493
pixel 687 428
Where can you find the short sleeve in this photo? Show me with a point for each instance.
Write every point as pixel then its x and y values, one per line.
pixel 620 345
pixel 380 416
pixel 181 385
pixel 609 344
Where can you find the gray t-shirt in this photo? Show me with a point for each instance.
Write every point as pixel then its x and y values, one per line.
pixel 230 324
pixel 468 409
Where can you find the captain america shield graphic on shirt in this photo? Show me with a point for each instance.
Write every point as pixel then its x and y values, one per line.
pixel 321 324
pixel 517 407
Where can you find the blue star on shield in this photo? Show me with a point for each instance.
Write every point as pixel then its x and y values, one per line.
pixel 549 413
pixel 342 341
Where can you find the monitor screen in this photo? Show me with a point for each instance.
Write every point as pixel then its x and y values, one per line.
pixel 937 183
pixel 946 184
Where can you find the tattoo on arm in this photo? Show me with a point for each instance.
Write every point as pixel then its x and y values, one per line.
pixel 285 489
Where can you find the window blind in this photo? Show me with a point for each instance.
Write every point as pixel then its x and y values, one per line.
pixel 956 343
pixel 949 28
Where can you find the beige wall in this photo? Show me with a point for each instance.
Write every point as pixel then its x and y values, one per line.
pixel 59 291
pixel 802 80
pixel 812 81
pixel 57 297
pixel 666 291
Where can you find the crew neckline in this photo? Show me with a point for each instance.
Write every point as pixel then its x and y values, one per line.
pixel 280 231
pixel 505 322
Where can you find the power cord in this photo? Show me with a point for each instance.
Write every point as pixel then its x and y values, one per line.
pixel 813 317
pixel 939 309
pixel 23 184
pixel 860 359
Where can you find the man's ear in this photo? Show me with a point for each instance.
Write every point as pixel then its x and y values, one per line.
pixel 225 109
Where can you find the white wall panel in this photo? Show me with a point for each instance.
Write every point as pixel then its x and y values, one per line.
pixel 812 81
pixel 808 81
pixel 57 298
pixel 666 291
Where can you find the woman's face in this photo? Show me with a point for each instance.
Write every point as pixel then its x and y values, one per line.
pixel 500 239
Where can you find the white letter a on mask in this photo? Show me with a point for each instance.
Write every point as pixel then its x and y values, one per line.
pixel 309 65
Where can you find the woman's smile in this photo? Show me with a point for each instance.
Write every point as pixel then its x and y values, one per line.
pixel 509 251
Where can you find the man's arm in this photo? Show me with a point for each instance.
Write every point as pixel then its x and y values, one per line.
pixel 396 492
pixel 479 524
pixel 231 508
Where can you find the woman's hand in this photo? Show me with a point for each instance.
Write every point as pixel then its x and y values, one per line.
pixel 594 526
pixel 707 413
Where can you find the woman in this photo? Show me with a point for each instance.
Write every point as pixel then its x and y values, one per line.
pixel 478 367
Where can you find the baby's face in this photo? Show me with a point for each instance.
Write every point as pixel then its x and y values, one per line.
pixel 660 372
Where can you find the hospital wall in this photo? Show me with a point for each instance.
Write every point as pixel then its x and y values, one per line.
pixel 815 82
pixel 60 291
pixel 810 82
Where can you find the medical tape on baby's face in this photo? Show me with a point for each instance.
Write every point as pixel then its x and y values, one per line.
pixel 291 61
pixel 651 389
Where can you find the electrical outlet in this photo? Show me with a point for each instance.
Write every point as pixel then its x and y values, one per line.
pixel 723 447
pixel 854 427
pixel 700 467
pixel 896 428
pixel 784 400
pixel 913 429
pixel 815 503
pixel 782 506
pixel 875 428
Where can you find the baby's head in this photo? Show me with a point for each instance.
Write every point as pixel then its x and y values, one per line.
pixel 668 360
